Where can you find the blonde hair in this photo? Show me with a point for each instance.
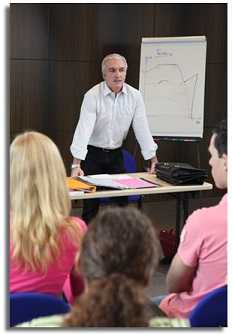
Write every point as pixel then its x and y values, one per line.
pixel 112 56
pixel 39 200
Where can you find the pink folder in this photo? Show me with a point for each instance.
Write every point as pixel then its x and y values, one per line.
pixel 134 183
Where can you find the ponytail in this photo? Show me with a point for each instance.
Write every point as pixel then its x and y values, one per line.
pixel 115 301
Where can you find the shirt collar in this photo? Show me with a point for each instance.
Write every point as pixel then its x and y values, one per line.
pixel 107 90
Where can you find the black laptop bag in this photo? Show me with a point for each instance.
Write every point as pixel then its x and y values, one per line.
pixel 178 173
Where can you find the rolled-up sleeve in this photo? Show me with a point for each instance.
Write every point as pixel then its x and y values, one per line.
pixel 142 131
pixel 84 127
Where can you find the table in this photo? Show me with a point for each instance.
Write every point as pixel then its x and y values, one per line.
pixel 181 193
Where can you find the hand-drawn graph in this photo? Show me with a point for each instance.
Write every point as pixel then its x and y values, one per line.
pixel 165 85
pixel 172 78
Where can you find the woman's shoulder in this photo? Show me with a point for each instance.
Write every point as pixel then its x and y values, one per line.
pixel 72 232
pixel 79 222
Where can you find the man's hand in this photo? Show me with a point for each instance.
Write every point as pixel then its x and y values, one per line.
pixel 152 165
pixel 77 171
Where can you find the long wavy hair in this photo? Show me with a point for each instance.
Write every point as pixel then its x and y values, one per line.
pixel 39 201
pixel 119 254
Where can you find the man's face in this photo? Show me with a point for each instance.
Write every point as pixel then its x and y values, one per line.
pixel 218 165
pixel 115 74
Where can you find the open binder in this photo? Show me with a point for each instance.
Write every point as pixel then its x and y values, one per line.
pixel 178 173
pixel 107 181
pixel 102 183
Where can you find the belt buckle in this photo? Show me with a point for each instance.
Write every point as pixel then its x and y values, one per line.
pixel 106 150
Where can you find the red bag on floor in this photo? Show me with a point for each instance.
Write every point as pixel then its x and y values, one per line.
pixel 168 242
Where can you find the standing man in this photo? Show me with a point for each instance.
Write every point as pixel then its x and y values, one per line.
pixel 107 111
pixel 200 264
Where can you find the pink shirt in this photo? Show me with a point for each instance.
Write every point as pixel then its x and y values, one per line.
pixel 53 280
pixel 203 244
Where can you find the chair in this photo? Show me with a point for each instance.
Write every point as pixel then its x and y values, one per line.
pixel 29 305
pixel 211 311
pixel 130 167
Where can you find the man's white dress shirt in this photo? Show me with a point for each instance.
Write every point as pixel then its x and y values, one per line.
pixel 105 119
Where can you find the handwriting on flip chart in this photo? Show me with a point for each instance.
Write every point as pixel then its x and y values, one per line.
pixel 172 82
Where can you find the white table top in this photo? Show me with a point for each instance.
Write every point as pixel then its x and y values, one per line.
pixel 163 188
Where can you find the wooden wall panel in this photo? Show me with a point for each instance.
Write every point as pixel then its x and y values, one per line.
pixel 122 26
pixel 209 20
pixel 170 20
pixel 63 140
pixel 195 19
pixel 29 95
pixel 215 94
pixel 69 82
pixel 29 31
pixel 73 32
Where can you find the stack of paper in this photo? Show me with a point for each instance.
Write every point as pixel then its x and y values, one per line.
pixel 103 182
pixel 118 181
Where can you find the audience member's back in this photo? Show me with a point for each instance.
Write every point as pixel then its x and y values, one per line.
pixel 44 240
pixel 119 254
pixel 200 264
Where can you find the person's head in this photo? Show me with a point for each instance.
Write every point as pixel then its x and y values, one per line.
pixel 39 199
pixel 118 257
pixel 119 240
pixel 218 155
pixel 114 68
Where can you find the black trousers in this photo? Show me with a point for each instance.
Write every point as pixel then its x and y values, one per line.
pixel 101 161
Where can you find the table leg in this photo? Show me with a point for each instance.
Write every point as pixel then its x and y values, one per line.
pixel 182 208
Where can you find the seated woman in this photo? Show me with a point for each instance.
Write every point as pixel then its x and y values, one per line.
pixel 44 240
pixel 118 257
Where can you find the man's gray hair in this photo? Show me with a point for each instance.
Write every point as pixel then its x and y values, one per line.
pixel 112 56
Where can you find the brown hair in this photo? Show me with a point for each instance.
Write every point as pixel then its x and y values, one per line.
pixel 220 141
pixel 119 254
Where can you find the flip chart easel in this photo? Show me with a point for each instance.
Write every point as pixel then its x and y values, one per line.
pixel 172 82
